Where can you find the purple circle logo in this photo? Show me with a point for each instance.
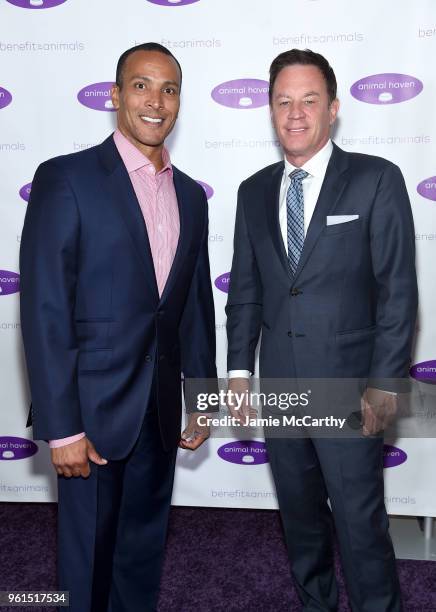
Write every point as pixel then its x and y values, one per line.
pixel 9 282
pixel 244 452
pixel 424 371
pixel 222 282
pixel 12 448
pixel 5 97
pixel 36 4
pixel 25 191
pixel 427 188
pixel 97 96
pixel 242 93
pixel 393 456
pixel 389 88
pixel 173 2
pixel 207 189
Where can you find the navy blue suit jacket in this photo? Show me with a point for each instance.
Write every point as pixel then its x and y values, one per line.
pixel 349 311
pixel 95 331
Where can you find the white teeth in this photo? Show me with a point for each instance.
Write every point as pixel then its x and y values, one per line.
pixel 152 119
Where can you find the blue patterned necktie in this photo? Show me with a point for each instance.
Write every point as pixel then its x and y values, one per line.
pixel 295 217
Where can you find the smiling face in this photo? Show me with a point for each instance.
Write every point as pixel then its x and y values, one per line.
pixel 148 101
pixel 301 112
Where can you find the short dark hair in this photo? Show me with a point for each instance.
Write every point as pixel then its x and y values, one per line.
pixel 150 46
pixel 304 57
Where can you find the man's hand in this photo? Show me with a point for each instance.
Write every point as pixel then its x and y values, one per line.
pixel 238 399
pixel 194 434
pixel 73 459
pixel 378 410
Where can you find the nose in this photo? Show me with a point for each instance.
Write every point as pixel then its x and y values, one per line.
pixel 295 110
pixel 155 100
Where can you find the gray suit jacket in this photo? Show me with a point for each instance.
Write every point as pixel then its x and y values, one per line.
pixel 349 311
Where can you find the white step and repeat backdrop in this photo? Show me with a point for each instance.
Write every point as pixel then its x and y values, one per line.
pixel 50 50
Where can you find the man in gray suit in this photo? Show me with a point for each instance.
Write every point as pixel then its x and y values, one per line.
pixel 324 267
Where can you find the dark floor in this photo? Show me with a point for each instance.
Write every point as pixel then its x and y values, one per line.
pixel 217 560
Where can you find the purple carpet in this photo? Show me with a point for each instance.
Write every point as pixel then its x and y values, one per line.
pixel 216 561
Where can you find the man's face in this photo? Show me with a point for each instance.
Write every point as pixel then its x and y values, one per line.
pixel 148 101
pixel 301 112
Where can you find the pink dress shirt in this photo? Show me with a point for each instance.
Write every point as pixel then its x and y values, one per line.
pixel 158 202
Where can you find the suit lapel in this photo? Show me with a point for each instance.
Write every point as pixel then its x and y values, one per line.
pixel 333 185
pixel 272 195
pixel 123 195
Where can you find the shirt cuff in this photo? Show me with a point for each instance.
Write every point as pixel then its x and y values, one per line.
pixel 384 391
pixel 239 374
pixel 65 441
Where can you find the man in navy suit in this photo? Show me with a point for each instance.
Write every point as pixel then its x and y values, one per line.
pixel 323 266
pixel 116 302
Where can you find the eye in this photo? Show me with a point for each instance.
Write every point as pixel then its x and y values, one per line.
pixel 309 102
pixel 170 90
pixel 284 103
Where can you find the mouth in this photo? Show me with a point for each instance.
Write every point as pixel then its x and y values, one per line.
pixel 297 130
pixel 151 120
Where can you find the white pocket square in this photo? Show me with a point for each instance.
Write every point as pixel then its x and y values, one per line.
pixel 335 219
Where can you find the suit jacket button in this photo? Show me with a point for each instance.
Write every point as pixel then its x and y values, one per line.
pixel 148 358
pixel 290 334
pixel 161 357
pixel 294 291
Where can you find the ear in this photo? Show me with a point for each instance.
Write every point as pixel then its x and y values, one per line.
pixel 271 113
pixel 115 96
pixel 333 109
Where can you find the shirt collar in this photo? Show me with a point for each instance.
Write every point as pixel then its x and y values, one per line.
pixel 316 165
pixel 133 158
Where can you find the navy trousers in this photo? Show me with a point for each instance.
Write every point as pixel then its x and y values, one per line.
pixel 349 473
pixel 112 527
